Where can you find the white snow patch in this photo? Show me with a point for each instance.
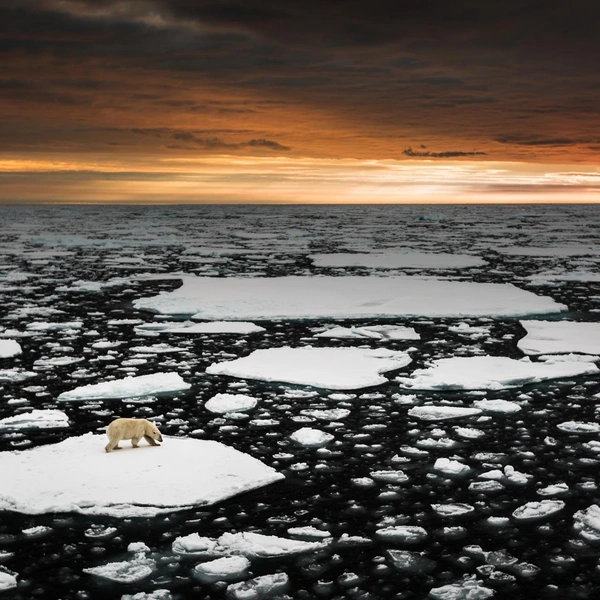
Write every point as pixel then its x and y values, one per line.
pixel 224 403
pixel 490 373
pixel 548 337
pixel 36 419
pixel 76 475
pixel 333 368
pixel 143 385
pixel 241 298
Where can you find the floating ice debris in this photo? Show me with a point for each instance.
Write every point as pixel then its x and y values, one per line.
pixel 411 562
pixel 497 406
pixel 196 544
pixel 374 332
pixel 155 349
pixel 334 368
pixel 489 373
pixel 124 322
pixel 450 467
pixel 100 532
pixel 579 427
pixel 452 510
pixel 507 474
pixel 587 523
pixel 241 298
pixel 8 579
pixel 389 476
pixel 9 348
pixel 330 414
pixel 45 326
pixel 554 490
pixel 222 569
pixel 469 433
pixel 56 361
pixel 468 589
pixel 218 327
pixel 398 260
pixel 36 419
pixel 256 545
pixel 408 534
pixel 441 413
pixel 469 330
pixel 547 337
pixel 15 375
pixel 260 587
pixel 224 403
pixel 83 477
pixel 535 511
pixel 161 594
pixel 128 571
pixel 309 532
pixel 307 436
pixel 549 251
pixel 143 385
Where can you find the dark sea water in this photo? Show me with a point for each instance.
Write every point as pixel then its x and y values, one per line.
pixel 44 250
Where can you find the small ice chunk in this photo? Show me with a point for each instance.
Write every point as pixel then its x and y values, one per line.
pixel 128 571
pixel 497 406
pixel 587 523
pixel 222 569
pixel 217 327
pixel 8 580
pixel 440 413
pixel 469 588
pixel 450 467
pixel 195 544
pixel 453 509
pixel 375 332
pixel 224 403
pixel 9 348
pixel 142 385
pixel 36 419
pixel 579 427
pixel 263 586
pixel 554 490
pixel 256 545
pixel 161 594
pixel 309 532
pixel 307 436
pixel 331 414
pixel 389 476
pixel 408 534
pixel 411 562
pixel 535 511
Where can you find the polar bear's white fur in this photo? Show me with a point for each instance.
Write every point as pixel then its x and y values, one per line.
pixel 131 429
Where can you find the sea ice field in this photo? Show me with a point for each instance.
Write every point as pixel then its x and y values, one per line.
pixel 362 402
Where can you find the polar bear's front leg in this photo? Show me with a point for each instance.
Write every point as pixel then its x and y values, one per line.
pixel 150 441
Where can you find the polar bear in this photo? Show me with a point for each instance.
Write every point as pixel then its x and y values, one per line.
pixel 131 429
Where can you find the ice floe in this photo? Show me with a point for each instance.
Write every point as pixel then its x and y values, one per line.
pixel 142 385
pixel 217 327
pixel 307 436
pixel 8 580
pixel 579 427
pixel 548 337
pixel 398 260
pixel 587 523
pixel 263 586
pixel 224 403
pixel 536 511
pixel 9 348
pixel 490 373
pixel 469 588
pixel 373 332
pixel 440 413
pixel 36 419
pixel 241 298
pixel 333 368
pixel 407 534
pixel 222 569
pixel 497 406
pixel 76 475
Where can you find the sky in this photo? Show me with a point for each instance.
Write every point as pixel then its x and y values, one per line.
pixel 306 101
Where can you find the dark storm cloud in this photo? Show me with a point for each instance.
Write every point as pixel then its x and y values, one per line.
pixel 446 154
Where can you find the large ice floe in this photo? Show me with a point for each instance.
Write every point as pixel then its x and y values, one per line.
pixel 490 373
pixel 371 332
pixel 76 475
pixel 333 368
pixel 239 298
pixel 548 337
pixel 143 385
pixel 398 260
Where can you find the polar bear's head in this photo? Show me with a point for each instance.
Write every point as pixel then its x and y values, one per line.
pixel 153 432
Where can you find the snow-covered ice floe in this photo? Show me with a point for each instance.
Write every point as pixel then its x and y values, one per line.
pixel 8 580
pixel 224 403
pixel 587 523
pixel 470 588
pixel 76 475
pixel 536 511
pixel 398 260
pixel 440 413
pixel 333 368
pixel 9 348
pixel 307 436
pixel 373 332
pixel 490 373
pixel 240 298
pixel 36 419
pixel 548 337
pixel 143 385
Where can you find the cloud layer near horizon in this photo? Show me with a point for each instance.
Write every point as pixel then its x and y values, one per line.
pixel 143 81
